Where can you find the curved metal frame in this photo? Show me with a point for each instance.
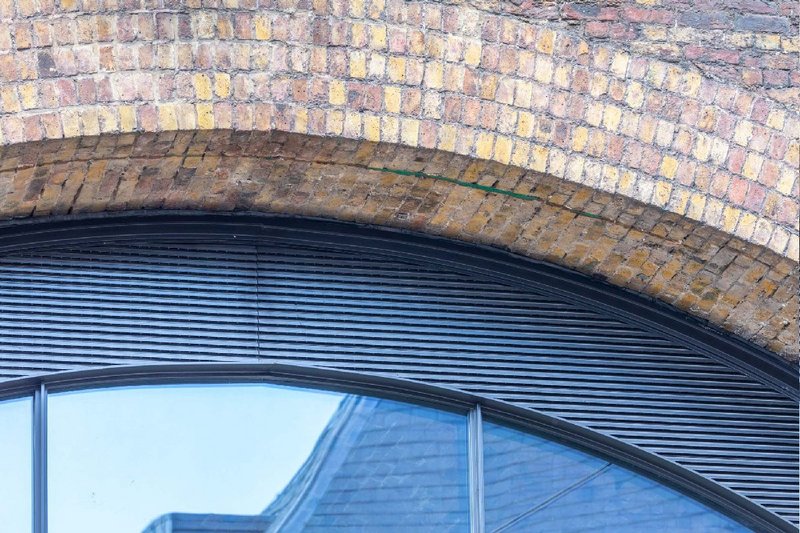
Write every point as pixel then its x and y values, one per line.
pixel 751 360
pixel 627 455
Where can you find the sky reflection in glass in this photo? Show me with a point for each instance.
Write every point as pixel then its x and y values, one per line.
pixel 252 458
pixel 118 458
pixel 15 465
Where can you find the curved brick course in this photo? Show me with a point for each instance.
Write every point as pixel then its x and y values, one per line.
pixel 741 286
pixel 590 95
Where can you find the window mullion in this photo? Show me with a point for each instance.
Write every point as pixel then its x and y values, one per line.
pixel 39 437
pixel 475 436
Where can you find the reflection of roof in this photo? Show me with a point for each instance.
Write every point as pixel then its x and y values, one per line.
pixel 378 465
pixel 201 523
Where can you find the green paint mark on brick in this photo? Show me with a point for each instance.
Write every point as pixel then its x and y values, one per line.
pixel 478 186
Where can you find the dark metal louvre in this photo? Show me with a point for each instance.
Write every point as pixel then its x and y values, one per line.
pixel 126 303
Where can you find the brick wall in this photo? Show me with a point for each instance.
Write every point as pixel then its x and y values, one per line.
pixel 743 287
pixel 687 111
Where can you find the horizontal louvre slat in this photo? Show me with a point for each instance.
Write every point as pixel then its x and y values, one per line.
pixel 133 303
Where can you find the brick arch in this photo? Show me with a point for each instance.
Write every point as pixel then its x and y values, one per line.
pixel 743 287
pixel 511 84
pixel 667 168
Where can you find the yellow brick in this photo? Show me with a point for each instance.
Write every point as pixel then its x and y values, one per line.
pixel 358 32
pixel 300 121
pixel 702 147
pixel 611 117
pixel 544 43
pixel 655 33
pixel 691 83
pixel 107 118
pixel 634 96
pixel 786 181
pixel 489 87
pixel 561 76
pixel 334 122
pixel 719 150
pixel 793 154
pixel 356 8
pixel 336 93
pixel 523 94
pixel 390 129
pixel 647 129
pixel 626 182
pixel 352 125
pixel 746 226
pixel 521 155
pixel 574 171
pixel 10 100
pixel 372 128
pixel 557 162
pixel 377 37
pixel 697 203
pixel 730 217
pixel 539 158
pixel 502 149
pixel 752 166
pixel 187 119
pixel 409 131
pixel 619 65
pixel 525 124
pixel 601 56
pixel 222 85
pixel 579 137
pixel 397 69
pixel 543 72
pixel 669 165
pixel 391 99
pixel 202 86
pixel 358 65
pixel 790 44
pixel 472 53
pixel 793 248
pixel 263 27
pixel 741 135
pixel 656 73
pixel 28 96
pixel 434 73
pixel 662 193
pixel 167 119
pixel 127 118
pixel 598 86
pixel 630 124
pixel 205 116
pixel 776 119
pixel 768 41
pixel 594 113
pixel 679 201
pixel 89 123
pixel 447 138
pixel 484 145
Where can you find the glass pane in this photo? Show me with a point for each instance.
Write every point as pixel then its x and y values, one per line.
pixel 16 465
pixel 252 458
pixel 557 488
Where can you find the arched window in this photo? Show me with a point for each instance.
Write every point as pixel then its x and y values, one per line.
pixel 263 458
pixel 501 394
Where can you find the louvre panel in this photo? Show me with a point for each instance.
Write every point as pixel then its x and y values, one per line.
pixel 96 305
pixel 77 308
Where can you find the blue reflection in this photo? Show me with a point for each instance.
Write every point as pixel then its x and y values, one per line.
pixel 253 459
pixel 15 465
pixel 535 485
